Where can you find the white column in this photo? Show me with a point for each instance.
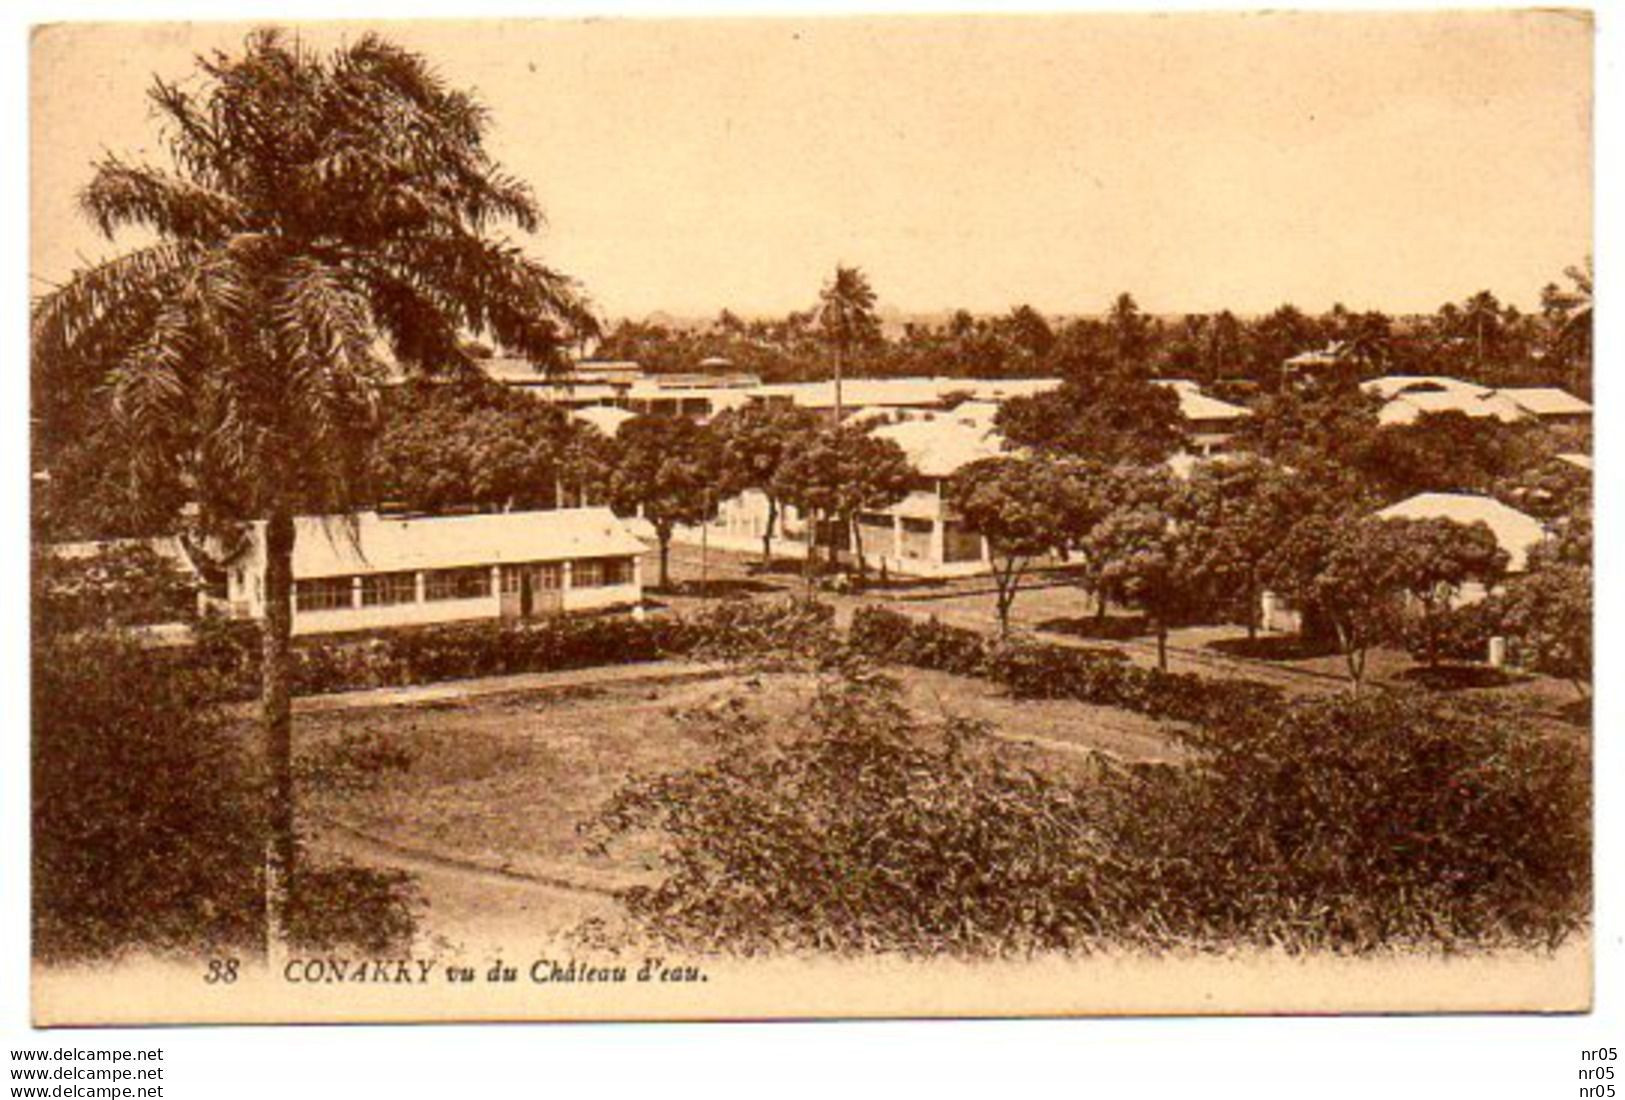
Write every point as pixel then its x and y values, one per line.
pixel 420 587
pixel 355 592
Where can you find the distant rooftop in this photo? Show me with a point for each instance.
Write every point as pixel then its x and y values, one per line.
pixel 1393 385
pixel 1546 401
pixel 1515 532
pixel 944 444
pixel 1198 407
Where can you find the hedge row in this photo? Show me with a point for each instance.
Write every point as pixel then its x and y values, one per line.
pixel 734 630
pixel 1038 670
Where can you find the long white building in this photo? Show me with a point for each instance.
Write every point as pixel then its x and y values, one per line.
pixel 370 571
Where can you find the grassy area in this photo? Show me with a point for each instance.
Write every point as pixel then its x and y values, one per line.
pixel 504 782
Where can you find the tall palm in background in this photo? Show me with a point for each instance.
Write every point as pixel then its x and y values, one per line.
pixel 1481 318
pixel 1568 310
pixel 846 314
pixel 318 209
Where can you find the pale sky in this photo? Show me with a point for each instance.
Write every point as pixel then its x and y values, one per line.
pixel 1201 162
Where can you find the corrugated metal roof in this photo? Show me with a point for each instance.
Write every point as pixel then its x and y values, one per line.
pixel 1196 406
pixel 1392 385
pixel 940 446
pixel 1515 532
pixel 1408 407
pixel 1546 401
pixel 328 546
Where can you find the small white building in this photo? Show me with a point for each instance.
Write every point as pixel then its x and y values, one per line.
pixel 369 571
pixel 919 536
pixel 1515 532
pixel 1210 424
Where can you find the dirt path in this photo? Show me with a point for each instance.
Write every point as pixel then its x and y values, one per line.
pixel 471 907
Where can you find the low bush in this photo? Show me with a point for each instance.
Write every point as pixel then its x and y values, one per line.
pixel 120 585
pixel 734 630
pixel 858 830
pixel 1334 823
pixel 1457 634
pixel 341 906
pixel 800 629
pixel 1039 670
pixel 1357 822
pixel 892 636
pixel 146 818
pixel 148 823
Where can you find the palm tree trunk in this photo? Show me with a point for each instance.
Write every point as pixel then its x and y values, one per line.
pixel 767 531
pixel 276 714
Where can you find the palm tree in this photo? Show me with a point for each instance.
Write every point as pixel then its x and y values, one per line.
pixel 317 208
pixel 846 313
pixel 1568 312
pixel 1481 314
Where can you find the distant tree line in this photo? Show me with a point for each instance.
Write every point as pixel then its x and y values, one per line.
pixel 1479 337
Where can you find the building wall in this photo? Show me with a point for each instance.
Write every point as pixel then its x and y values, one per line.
pixel 245 586
pixel 914 538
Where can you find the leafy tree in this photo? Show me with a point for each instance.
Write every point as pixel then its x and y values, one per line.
pixel 317 206
pixel 1346 570
pixel 841 472
pixel 754 443
pixel 117 586
pixel 1096 492
pixel 1109 416
pixel 1326 436
pixel 1549 488
pixel 1030 334
pixel 1435 558
pixel 1547 613
pixel 1236 513
pixel 1022 507
pixel 664 468
pixel 1277 337
pixel 1145 557
pixel 1443 452
pixel 494 450
pixel 1365 341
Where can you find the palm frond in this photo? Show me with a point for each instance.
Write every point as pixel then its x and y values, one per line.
pixel 494 287
pixel 101 312
pixel 137 195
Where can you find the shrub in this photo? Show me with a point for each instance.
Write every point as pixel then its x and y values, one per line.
pixel 1358 822
pixel 343 906
pixel 900 639
pixel 1039 670
pixel 863 831
pixel 1457 634
pixel 759 630
pixel 118 585
pixel 146 823
pixel 1334 823
pixel 771 632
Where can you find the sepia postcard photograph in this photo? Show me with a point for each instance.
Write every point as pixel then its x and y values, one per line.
pixel 801 517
